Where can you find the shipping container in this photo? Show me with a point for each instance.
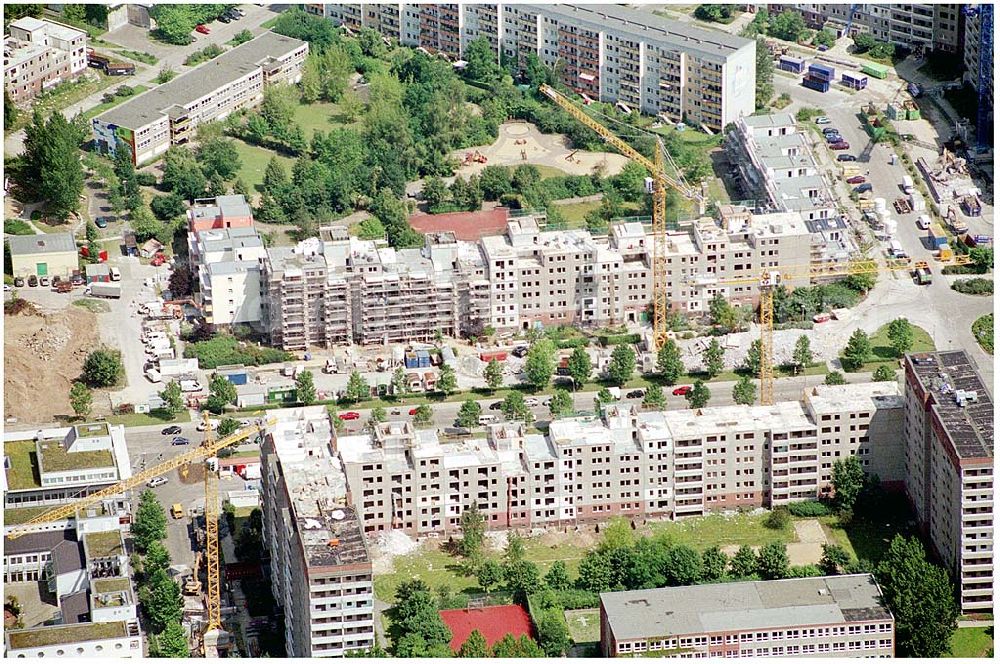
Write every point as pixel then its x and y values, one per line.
pixel 792 64
pixel 499 356
pixel 816 84
pixel 102 289
pixel 937 236
pixel 854 80
pixel 876 70
pixel 822 72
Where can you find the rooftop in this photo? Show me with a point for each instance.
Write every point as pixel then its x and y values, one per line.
pixel 104 545
pixel 22 465
pixel 744 605
pixel 55 458
pixel 33 542
pixel 40 637
pixel 200 82
pixel 234 205
pixel 854 397
pixel 114 584
pixel 92 430
pixel 23 245
pixel 960 400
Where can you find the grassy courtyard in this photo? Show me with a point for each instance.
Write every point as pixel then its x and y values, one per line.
pixel 971 642
pixel 883 353
pixel 253 162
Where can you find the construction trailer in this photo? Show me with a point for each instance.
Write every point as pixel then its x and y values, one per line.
pixel 792 64
pixel 816 84
pixel 822 72
pixel 875 69
pixel 854 80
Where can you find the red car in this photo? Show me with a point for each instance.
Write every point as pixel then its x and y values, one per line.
pixel 843 145
pixel 413 411
pixel 202 28
pixel 350 415
pixel 857 179
pixel 682 390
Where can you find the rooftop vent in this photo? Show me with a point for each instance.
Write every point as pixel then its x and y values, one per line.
pixel 338 515
pixel 312 524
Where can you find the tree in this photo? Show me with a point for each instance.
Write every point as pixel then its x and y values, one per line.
pixel 227 426
pixel 682 566
pixel 305 389
pixel 489 575
pixel 493 375
pixel 218 156
pixel 848 480
pixel 172 642
pixel 668 362
pixel 52 170
pixel 713 564
pixel 857 351
pixel 745 392
pixel 920 596
pixel 579 367
pixel 103 368
pixel 744 563
pixel 553 634
pixel 81 399
pixel 350 105
pixel 982 259
pixel 474 646
pixel 825 37
pixel 469 413
pixel 182 174
pixel 698 395
pixel 751 364
pixel 557 578
pixel 802 355
pixel 722 313
pixel 622 364
pixel 787 25
pixel 712 357
pixel 522 578
pixel 540 364
pixel 161 600
pixel 157 557
pixel 654 397
pixel 509 647
pixel 434 191
pixel 150 523
pixel 400 386
pixel 778 519
pixel 416 615
pixel 883 373
pixel 447 381
pixel 835 559
pixel 473 529
pixel 10 111
pixel 864 42
pixel 357 388
pixel 376 417
pixel 772 561
pixel 222 393
pixel 765 75
pixel 424 415
pixel 173 398
pixel 561 403
pixel 482 58
pixel 900 336
pixel 514 408
pixel 834 378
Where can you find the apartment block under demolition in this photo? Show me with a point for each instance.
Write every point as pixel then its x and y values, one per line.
pixel 607 52
pixel 977 55
pixel 321 573
pixel 948 429
pixel 918 27
pixel 630 463
pixel 39 54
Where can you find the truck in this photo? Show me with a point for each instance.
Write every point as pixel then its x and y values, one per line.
pixel 105 289
pixel 922 273
pixel 153 375
pixel 937 236
pixel 896 249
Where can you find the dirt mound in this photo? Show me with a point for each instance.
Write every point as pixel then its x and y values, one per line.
pixel 43 355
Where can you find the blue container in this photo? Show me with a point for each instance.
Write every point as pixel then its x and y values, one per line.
pixel 822 72
pixel 816 84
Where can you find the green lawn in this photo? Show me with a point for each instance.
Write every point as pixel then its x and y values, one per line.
pixel 983 330
pixel 100 108
pixel 22 473
pixel 883 353
pixel 584 625
pixel 429 563
pixel 719 530
pixel 971 642
pixel 148 419
pixel 869 538
pixel 253 162
pixel 23 514
pixel 550 171
pixel 319 115
pixel 66 94
pixel 576 213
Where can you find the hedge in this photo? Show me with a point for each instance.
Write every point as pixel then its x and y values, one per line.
pixel 808 508
pixel 976 286
pixel 227 349
pixel 618 339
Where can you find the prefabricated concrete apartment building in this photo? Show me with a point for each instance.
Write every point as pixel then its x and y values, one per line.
pixel 608 52
pixel 169 113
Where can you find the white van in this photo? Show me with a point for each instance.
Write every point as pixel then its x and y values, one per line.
pixel 190 386
pixel 153 375
pixel 923 222
pixel 116 274
pixel 907 184
pixel 896 249
pixel 488 419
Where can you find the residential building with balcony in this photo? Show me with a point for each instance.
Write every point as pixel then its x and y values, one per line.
pixel 321 573
pixel 39 54
pixel 838 616
pixel 227 263
pixel 919 27
pixel 948 429
pixel 167 115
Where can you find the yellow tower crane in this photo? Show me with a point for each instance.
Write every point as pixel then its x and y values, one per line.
pixel 660 182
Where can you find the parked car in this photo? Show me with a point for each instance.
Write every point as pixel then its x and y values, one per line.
pixel 843 145
pixel 350 415
pixel 531 402
pixel 821 120
pixel 43 281
pixel 202 28
pixel 413 411
pixel 171 430
pixel 180 440
pixel 821 318
pixel 32 280
pixel 7 288
pixel 18 282
pixel 834 138
pixel 862 188
pixel 238 12
pixel 102 222
pixel 682 390
pixel 830 130
pixel 636 394
pixel 857 179
pixel 846 157
pixel 156 481
pixel 212 425
pixel 496 405
pixel 224 18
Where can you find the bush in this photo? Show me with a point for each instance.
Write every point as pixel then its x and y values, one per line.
pixel 16 227
pixel 227 349
pixel 618 339
pixel 145 179
pixel 809 508
pixel 568 600
pixel 976 286
pixel 778 519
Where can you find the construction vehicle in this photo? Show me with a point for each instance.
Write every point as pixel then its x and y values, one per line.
pixel 213 637
pixel 922 273
pixel 660 181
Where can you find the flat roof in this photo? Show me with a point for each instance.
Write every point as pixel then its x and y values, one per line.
pixel 40 637
pixel 970 425
pixel 746 605
pixel 22 245
pixel 201 81
pixel 55 457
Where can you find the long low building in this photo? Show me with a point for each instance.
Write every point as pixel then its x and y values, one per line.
pixel 838 616
pixel 169 113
